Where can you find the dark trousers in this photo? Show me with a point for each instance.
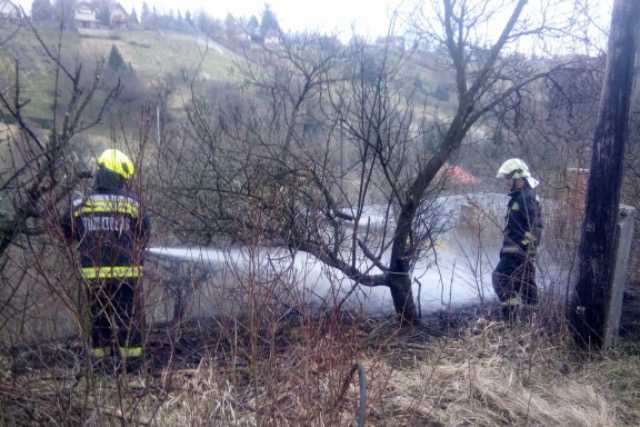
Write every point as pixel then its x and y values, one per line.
pixel 515 277
pixel 116 316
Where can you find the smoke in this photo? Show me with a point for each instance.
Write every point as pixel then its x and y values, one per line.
pixel 456 274
pixel 449 280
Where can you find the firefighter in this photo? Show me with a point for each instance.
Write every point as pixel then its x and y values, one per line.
pixel 514 276
pixel 112 232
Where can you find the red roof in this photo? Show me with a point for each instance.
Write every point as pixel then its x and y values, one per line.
pixel 456 175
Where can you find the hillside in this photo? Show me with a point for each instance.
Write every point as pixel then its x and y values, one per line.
pixel 158 59
pixel 158 55
pixel 168 61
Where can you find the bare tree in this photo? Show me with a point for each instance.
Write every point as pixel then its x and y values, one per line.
pixel 40 161
pixel 13 18
pixel 331 130
pixel 40 168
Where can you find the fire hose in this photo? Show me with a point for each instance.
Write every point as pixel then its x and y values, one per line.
pixel 362 374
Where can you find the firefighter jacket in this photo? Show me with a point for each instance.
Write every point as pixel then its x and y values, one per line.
pixel 524 223
pixel 112 233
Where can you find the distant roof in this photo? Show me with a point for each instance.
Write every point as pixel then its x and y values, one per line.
pixel 121 7
pixel 456 175
pixel 84 4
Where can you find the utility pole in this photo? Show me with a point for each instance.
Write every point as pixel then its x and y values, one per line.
pixel 590 316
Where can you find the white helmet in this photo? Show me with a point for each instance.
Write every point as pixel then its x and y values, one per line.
pixel 516 168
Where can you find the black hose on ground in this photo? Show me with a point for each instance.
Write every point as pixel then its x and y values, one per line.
pixel 362 374
pixel 362 411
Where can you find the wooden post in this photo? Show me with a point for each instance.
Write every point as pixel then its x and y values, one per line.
pixel 591 302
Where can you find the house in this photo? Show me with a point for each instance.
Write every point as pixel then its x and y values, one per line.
pixel 455 175
pixel 119 17
pixel 272 41
pixel 272 38
pixel 86 16
pixel 9 12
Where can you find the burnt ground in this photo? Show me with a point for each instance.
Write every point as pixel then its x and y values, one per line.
pixel 183 346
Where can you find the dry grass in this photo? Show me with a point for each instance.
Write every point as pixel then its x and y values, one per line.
pixel 491 375
pixel 495 376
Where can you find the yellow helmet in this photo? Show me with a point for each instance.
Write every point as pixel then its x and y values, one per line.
pixel 116 161
pixel 514 168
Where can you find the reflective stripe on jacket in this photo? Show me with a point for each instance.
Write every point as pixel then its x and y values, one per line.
pixel 106 203
pixel 111 272
pixel 112 232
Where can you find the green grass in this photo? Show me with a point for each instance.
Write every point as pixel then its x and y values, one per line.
pixel 170 53
pixel 160 59
pixel 623 378
pixel 164 61
pixel 152 54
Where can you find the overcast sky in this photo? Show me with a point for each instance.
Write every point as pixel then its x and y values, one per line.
pixel 369 16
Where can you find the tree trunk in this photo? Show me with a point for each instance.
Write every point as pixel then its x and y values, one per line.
pixel 597 247
pixel 399 282
pixel 403 299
